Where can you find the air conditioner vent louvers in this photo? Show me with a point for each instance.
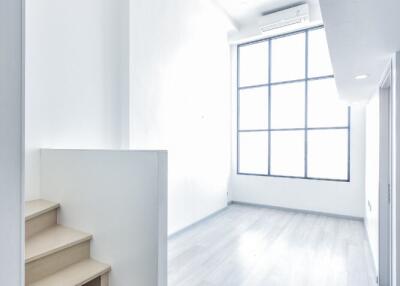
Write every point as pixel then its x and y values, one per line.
pixel 279 25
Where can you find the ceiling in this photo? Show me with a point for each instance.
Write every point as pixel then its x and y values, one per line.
pixel 362 35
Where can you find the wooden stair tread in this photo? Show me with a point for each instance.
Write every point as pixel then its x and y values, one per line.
pixel 37 207
pixel 75 275
pixel 51 240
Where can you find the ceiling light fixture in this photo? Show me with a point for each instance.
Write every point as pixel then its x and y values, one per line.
pixel 361 76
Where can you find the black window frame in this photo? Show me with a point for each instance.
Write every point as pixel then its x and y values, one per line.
pixel 306 80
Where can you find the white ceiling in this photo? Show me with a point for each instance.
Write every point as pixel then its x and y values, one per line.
pixel 362 35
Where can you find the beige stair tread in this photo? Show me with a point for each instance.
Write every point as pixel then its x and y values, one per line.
pixel 37 207
pixel 75 275
pixel 51 240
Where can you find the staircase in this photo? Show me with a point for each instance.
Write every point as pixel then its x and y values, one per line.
pixel 56 255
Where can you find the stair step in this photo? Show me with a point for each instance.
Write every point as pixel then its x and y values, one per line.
pixel 52 240
pixel 36 208
pixel 39 215
pixel 75 275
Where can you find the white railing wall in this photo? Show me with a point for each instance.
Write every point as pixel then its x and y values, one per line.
pixel 121 198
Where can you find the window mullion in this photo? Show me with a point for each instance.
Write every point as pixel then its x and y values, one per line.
pixel 306 109
pixel 237 108
pixel 348 142
pixel 269 106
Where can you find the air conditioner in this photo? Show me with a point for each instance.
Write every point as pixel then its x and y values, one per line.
pixel 282 18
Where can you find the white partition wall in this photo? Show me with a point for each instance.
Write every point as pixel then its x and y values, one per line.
pixel 121 198
pixel 11 133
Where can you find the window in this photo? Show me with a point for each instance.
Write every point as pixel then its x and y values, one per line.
pixel 291 122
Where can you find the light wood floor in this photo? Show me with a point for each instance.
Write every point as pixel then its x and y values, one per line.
pixel 255 246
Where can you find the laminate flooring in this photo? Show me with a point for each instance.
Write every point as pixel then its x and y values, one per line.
pixel 256 246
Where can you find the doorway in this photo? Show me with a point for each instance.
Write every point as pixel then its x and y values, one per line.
pixel 385 180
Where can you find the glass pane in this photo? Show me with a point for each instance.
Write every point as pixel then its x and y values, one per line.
pixel 288 105
pixel 287 153
pixel 319 61
pixel 325 109
pixel 288 58
pixel 327 154
pixel 253 64
pixel 253 108
pixel 253 152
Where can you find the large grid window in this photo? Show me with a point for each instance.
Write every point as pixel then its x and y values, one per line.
pixel 291 122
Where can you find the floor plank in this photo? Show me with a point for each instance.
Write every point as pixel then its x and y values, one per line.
pixel 255 246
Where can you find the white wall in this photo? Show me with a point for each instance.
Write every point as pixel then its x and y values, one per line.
pixel 76 78
pixel 120 198
pixel 11 134
pixel 180 100
pixel 372 176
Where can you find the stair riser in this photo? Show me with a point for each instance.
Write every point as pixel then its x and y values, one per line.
pixel 50 264
pixel 40 223
pixel 99 281
pixel 94 282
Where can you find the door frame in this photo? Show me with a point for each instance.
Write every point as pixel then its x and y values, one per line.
pixel 385 179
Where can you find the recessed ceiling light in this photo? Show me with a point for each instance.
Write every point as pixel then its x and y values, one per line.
pixel 361 76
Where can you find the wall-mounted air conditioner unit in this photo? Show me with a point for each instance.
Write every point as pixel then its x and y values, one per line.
pixel 282 18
